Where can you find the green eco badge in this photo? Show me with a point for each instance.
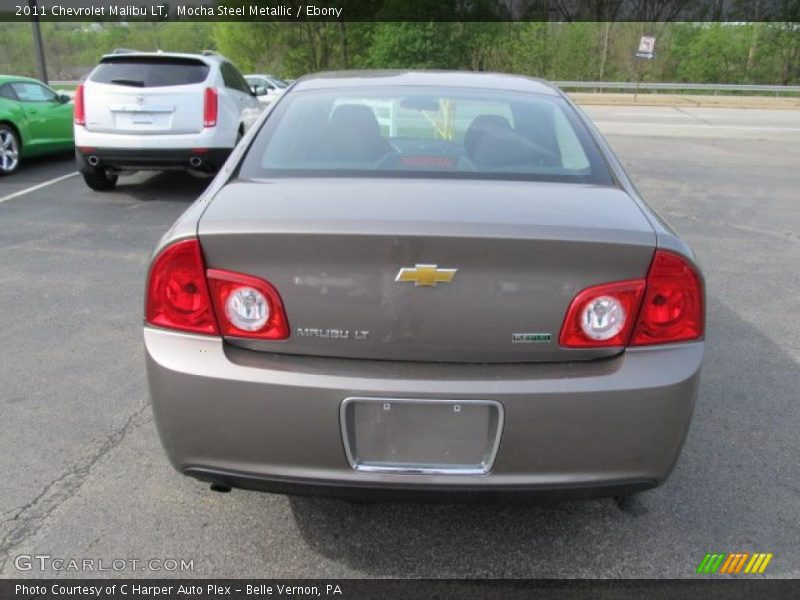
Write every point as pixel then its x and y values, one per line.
pixel 530 338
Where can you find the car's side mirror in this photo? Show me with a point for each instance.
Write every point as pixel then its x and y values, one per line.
pixel 63 98
pixel 259 90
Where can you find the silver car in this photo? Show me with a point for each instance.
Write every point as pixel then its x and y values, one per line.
pixel 411 283
pixel 266 87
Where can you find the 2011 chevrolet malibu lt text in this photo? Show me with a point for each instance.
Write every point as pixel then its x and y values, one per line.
pixel 412 283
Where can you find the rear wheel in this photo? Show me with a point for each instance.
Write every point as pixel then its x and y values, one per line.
pixel 100 181
pixel 9 150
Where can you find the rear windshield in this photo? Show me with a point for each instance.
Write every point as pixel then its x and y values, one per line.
pixel 150 71
pixel 425 132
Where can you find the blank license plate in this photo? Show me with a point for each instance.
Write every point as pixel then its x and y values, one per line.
pixel 421 436
pixel 141 120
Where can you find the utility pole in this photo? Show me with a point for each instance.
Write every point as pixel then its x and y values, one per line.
pixel 38 45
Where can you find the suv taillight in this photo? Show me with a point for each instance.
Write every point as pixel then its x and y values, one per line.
pixel 183 295
pixel 80 107
pixel 210 107
pixel 666 307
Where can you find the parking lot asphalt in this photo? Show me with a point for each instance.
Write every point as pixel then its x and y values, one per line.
pixel 36 171
pixel 84 475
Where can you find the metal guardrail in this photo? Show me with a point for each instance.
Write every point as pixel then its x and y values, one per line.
pixel 632 85
pixel 678 87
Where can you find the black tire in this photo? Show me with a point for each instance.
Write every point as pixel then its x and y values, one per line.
pixel 100 181
pixel 9 150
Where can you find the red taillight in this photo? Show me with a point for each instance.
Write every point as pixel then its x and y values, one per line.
pixel 210 107
pixel 247 307
pixel 672 310
pixel 183 295
pixel 666 307
pixel 80 107
pixel 177 293
pixel 602 315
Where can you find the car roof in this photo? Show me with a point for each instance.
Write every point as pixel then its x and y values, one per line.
pixel 382 78
pixel 7 78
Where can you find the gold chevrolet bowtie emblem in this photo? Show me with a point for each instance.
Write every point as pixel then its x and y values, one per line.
pixel 426 275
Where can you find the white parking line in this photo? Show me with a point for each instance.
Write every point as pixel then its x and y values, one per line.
pixel 38 186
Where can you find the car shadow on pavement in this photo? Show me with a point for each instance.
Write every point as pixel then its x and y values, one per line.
pixel 741 448
pixel 35 164
pixel 169 186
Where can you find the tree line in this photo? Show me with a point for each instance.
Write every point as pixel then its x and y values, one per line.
pixel 703 52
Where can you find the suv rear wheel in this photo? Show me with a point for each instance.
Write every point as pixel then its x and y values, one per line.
pixel 100 181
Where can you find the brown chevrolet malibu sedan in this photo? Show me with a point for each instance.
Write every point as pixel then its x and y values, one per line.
pixel 409 283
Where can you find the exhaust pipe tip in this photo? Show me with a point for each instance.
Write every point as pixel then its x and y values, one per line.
pixel 93 160
pixel 219 488
pixel 196 161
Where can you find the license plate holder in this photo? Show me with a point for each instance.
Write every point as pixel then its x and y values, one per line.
pixel 423 436
pixel 141 120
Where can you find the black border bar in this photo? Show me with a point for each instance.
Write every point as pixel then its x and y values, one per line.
pixel 705 587
pixel 402 10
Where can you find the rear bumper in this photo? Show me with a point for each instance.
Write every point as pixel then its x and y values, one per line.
pixel 201 159
pixel 296 486
pixel 271 422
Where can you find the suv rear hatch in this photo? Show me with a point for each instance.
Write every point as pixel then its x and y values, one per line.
pixel 146 94
pixel 333 248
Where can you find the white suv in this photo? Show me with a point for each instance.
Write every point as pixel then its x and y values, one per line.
pixel 159 111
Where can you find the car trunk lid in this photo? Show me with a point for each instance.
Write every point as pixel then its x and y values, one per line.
pixel 351 258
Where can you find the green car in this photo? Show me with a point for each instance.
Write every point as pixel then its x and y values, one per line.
pixel 34 120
